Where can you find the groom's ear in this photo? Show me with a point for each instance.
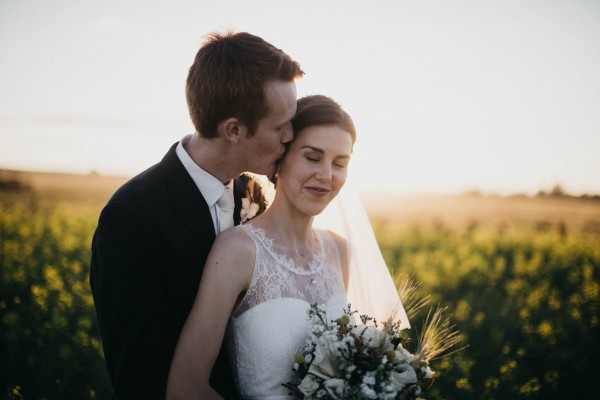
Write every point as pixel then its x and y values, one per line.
pixel 233 130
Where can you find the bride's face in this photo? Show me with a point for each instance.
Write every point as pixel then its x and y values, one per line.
pixel 315 167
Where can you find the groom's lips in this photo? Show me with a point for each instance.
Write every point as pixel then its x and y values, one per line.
pixel 317 191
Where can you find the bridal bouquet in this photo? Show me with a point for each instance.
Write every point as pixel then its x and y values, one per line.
pixel 344 360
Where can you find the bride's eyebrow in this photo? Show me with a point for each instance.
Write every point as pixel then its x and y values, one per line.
pixel 318 150
pixel 321 151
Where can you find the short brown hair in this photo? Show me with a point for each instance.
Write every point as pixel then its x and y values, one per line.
pixel 319 110
pixel 228 77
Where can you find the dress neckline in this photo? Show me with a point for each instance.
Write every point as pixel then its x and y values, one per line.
pixel 314 265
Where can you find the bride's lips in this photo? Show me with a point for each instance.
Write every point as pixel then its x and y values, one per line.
pixel 317 191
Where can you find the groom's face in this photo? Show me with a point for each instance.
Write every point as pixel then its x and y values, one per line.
pixel 267 144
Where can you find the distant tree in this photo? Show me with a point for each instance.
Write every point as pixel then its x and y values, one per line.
pixel 472 193
pixel 557 191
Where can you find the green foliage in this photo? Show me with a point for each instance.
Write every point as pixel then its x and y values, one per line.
pixel 49 343
pixel 526 300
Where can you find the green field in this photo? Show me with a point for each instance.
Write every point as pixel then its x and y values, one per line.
pixel 520 277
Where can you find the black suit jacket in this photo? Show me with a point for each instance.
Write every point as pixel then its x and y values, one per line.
pixel 148 254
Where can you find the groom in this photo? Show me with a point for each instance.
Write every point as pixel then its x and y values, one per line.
pixel 155 233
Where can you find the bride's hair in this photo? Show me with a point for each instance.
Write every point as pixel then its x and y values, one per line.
pixel 320 110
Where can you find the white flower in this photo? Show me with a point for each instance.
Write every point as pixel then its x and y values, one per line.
pixel 388 395
pixel 348 340
pixel 336 388
pixel 405 375
pixel 428 372
pixel 325 364
pixel 308 385
pixel 370 334
pixel 248 210
pixel 369 379
pixel 403 355
pixel 316 329
pixel 368 392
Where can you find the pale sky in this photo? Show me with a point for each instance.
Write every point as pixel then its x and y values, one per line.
pixel 501 96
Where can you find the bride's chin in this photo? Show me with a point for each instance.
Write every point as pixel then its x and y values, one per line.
pixel 315 211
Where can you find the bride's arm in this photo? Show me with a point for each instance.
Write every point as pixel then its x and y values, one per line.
pixel 227 273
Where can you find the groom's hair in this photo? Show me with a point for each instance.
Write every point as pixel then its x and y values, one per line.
pixel 228 78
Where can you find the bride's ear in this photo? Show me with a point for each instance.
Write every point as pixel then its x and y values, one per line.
pixel 233 130
pixel 273 177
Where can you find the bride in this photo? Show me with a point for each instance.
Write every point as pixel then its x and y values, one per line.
pixel 261 277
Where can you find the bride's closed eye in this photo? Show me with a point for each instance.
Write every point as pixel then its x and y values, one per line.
pixel 312 155
pixel 339 162
pixel 342 163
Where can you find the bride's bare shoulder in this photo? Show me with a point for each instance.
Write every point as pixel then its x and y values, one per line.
pixel 233 248
pixel 235 239
pixel 342 250
pixel 231 260
pixel 339 241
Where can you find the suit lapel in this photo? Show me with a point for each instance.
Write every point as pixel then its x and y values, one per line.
pixel 186 200
pixel 237 199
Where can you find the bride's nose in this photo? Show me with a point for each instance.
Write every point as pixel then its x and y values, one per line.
pixel 324 172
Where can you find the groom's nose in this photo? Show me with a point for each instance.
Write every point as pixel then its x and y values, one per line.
pixel 287 134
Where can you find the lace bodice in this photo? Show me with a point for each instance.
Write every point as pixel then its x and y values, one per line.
pixel 269 325
pixel 277 276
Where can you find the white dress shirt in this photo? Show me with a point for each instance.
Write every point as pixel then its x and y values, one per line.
pixel 210 187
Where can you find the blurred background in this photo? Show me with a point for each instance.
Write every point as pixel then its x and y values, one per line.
pixel 477 158
pixel 500 96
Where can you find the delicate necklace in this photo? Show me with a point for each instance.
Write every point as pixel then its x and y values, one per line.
pixel 312 260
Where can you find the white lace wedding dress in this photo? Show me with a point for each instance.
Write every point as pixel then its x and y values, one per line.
pixel 270 323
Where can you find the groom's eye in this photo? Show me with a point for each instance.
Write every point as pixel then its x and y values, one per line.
pixel 283 127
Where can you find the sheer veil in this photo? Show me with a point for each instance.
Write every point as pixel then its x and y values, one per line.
pixel 371 288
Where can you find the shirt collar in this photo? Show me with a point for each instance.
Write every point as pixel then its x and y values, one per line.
pixel 210 187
